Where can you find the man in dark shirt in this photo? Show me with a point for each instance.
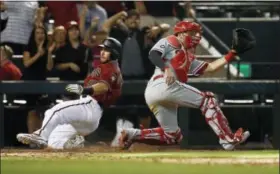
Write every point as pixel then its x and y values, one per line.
pixel 72 59
pixel 136 44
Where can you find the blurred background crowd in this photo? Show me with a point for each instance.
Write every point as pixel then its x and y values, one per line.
pixel 58 40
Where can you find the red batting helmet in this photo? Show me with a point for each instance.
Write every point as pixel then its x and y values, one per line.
pixel 184 26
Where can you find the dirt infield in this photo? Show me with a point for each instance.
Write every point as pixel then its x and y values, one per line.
pixel 101 148
pixel 151 154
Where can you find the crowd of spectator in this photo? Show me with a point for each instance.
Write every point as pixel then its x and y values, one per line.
pixel 60 38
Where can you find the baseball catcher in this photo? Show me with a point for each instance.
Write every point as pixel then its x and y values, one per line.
pixel 168 88
pixel 65 125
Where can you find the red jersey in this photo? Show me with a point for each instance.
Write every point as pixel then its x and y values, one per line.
pixel 180 59
pixel 181 64
pixel 110 74
pixel 9 71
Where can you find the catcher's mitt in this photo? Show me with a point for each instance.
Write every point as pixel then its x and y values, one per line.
pixel 243 40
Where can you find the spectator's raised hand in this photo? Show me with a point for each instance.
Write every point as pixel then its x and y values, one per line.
pixel 40 15
pixel 94 22
pixel 41 50
pixel 39 24
pixel 3 7
pixel 189 10
pixel 84 11
pixel 43 12
pixel 52 47
pixel 154 32
pixel 122 15
pixel 113 20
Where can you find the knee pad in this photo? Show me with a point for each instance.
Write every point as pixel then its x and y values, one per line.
pixel 208 102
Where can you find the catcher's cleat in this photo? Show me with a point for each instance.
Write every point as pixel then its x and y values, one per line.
pixel 125 140
pixel 32 139
pixel 239 137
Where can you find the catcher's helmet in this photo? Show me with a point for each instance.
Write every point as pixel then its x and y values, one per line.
pixel 114 46
pixel 184 26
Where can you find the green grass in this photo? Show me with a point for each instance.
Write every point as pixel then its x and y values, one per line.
pixel 124 167
pixel 134 163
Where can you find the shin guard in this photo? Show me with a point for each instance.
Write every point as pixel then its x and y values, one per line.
pixel 216 119
pixel 157 136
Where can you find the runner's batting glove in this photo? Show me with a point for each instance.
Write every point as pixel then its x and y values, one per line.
pixel 74 88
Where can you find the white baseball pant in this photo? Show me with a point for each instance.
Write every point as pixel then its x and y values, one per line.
pixel 68 119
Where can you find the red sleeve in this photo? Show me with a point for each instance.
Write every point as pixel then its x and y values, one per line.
pixel 16 73
pixel 10 72
pixel 3 74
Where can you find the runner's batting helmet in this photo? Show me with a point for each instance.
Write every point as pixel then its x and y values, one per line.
pixel 114 46
pixel 185 26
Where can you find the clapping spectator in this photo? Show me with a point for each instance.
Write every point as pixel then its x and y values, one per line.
pixel 8 71
pixel 20 24
pixel 36 63
pixel 89 11
pixel 136 42
pixel 72 59
pixel 58 39
pixel 35 57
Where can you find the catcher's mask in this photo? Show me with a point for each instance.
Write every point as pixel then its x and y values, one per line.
pixel 192 33
pixel 114 46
